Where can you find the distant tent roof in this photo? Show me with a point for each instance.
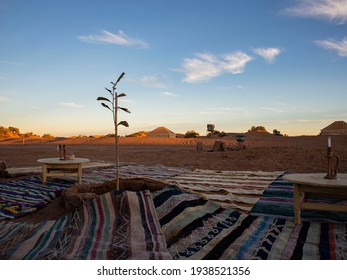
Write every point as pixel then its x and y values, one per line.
pixel 162 130
pixel 336 125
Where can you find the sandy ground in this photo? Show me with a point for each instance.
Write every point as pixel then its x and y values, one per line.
pixel 264 152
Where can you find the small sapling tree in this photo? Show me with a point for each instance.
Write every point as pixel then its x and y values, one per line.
pixel 112 105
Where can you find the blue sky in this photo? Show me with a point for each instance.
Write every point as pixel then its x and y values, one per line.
pixel 235 64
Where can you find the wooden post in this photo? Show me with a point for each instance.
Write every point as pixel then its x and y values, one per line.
pixel 199 147
pixel 241 146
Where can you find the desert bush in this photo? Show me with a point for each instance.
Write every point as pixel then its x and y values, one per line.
pixel 10 131
pixel 191 134
pixel 277 132
pixel 47 136
pixel 257 128
pixel 216 133
pixel 138 134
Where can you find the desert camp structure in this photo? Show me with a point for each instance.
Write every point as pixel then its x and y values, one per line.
pixel 336 128
pixel 161 132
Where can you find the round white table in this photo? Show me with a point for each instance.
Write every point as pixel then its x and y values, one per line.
pixel 315 185
pixel 55 167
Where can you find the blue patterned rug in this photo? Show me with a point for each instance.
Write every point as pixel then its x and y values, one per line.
pixel 198 229
pixel 21 197
pixel 277 201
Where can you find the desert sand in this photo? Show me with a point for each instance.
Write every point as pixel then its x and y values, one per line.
pixel 264 152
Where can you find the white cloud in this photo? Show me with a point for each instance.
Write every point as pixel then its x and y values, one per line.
pixel 268 54
pixel 339 47
pixel 169 94
pixel 334 10
pixel 152 81
pixel 236 62
pixel 207 66
pixel 71 105
pixel 106 37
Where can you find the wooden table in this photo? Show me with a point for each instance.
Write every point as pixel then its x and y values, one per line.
pixel 315 185
pixel 54 167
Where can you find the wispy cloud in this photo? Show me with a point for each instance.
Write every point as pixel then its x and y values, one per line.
pixel 334 10
pixel 343 115
pixel 310 121
pixel 169 94
pixel 71 105
pixel 227 109
pixel 3 99
pixel 106 37
pixel 339 47
pixel 231 87
pixel 3 77
pixel 152 81
pixel 273 109
pixel 268 54
pixel 10 62
pixel 222 111
pixel 206 66
pixel 210 113
pixel 127 101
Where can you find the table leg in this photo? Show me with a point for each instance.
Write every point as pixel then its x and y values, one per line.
pixel 297 208
pixel 79 173
pixel 44 173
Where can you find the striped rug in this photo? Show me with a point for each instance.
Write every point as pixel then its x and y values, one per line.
pixel 196 228
pixel 238 190
pixel 21 197
pixel 112 226
pixel 157 172
pixel 277 201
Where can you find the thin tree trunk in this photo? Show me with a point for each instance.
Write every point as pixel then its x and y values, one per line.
pixel 116 139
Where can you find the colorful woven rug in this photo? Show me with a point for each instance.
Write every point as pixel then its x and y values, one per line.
pixel 157 172
pixel 195 228
pixel 277 201
pixel 238 190
pixel 122 226
pixel 21 197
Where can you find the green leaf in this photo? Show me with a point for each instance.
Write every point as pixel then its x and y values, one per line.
pixel 103 98
pixel 120 77
pixel 121 95
pixel 103 104
pixel 125 123
pixel 108 90
pixel 124 109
